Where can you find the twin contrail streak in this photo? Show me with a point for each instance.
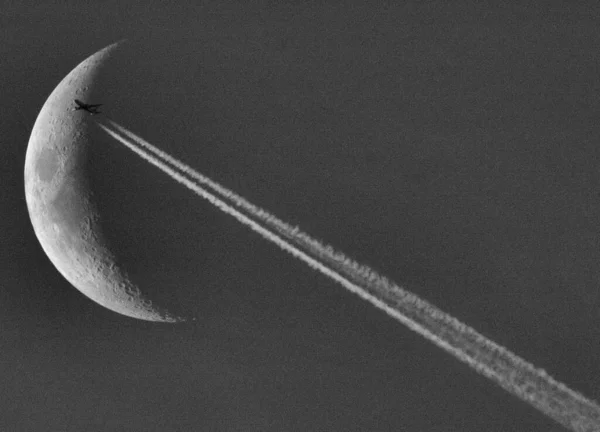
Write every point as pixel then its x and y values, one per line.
pixel 497 363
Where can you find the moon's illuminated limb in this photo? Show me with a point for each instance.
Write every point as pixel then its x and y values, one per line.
pixel 61 206
pixel 497 363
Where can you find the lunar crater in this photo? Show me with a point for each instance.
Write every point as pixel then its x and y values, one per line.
pixel 62 206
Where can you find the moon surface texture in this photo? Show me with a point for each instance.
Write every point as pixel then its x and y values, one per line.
pixel 60 197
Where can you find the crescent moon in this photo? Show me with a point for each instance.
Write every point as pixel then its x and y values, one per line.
pixel 64 215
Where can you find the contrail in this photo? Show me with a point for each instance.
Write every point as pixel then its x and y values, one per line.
pixel 514 374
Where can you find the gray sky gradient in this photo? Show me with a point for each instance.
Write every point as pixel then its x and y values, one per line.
pixel 452 148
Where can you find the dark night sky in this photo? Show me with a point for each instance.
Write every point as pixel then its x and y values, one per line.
pixel 452 146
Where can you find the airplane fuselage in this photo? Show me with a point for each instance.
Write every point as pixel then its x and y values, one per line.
pixel 90 108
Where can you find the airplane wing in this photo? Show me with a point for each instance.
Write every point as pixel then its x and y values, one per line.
pixel 94 105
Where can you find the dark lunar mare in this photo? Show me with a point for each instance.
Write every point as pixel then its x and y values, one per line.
pixel 61 202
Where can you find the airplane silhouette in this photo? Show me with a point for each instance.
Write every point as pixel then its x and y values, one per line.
pixel 91 108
